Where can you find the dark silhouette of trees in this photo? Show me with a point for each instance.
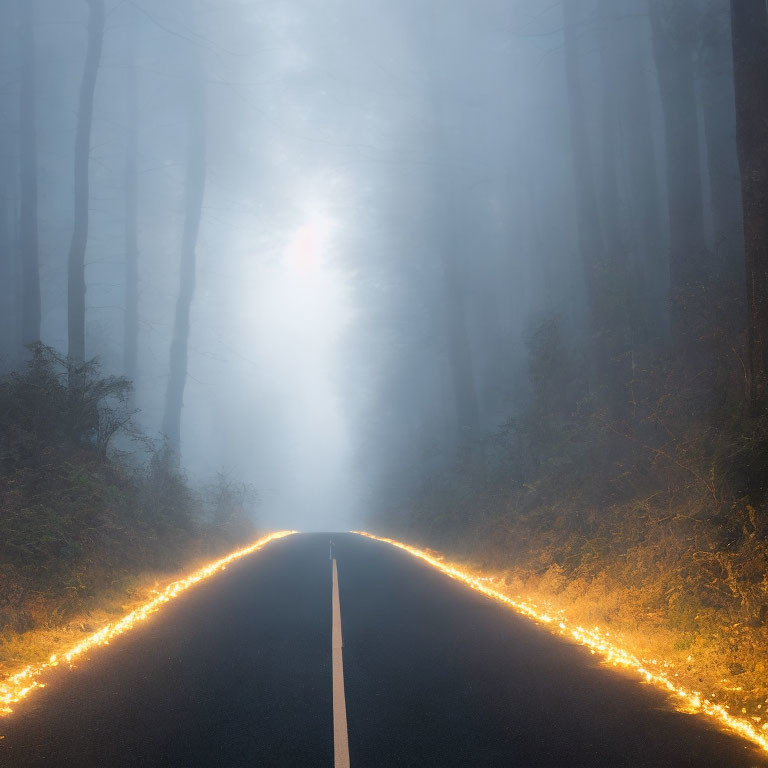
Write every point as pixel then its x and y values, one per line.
pixel 651 271
pixel 28 235
pixel 449 237
pixel 194 194
pixel 591 243
pixel 674 42
pixel 10 336
pixel 76 262
pixel 459 348
pixel 604 268
pixel 131 181
pixel 749 24
pixel 715 77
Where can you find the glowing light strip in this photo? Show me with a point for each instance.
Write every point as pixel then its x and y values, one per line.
pixel 599 644
pixel 21 684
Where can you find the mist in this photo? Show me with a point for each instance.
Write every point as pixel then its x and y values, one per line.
pixel 481 282
pixel 393 196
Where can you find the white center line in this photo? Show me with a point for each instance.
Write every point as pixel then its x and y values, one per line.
pixel 340 739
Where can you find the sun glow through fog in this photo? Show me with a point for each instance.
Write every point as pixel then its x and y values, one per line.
pixel 299 309
pixel 304 253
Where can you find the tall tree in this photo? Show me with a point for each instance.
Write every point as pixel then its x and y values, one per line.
pixel 452 246
pixel 715 66
pixel 131 321
pixel 651 271
pixel 591 242
pixel 674 41
pixel 603 278
pixel 28 234
pixel 10 336
pixel 441 29
pixel 76 263
pixel 459 348
pixel 749 29
pixel 615 226
pixel 194 195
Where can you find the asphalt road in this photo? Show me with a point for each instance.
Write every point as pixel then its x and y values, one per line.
pixel 237 672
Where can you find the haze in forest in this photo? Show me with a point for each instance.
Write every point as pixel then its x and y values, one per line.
pixel 330 241
pixel 487 278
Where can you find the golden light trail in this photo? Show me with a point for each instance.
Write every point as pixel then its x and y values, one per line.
pixel 18 686
pixel 599 643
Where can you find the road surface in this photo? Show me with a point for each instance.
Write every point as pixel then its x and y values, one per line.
pixel 238 672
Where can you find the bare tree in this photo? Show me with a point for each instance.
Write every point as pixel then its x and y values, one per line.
pixel 459 347
pixel 651 275
pixel 603 270
pixel 718 118
pixel 76 263
pixel 674 39
pixel 195 192
pixel 131 322
pixel 749 28
pixel 591 241
pixel 10 335
pixel 28 235
pixel 451 244
pixel 615 230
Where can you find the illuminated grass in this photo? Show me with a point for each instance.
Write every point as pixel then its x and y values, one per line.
pixel 22 683
pixel 599 642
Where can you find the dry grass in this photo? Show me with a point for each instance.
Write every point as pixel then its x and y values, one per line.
pixel 18 649
pixel 723 660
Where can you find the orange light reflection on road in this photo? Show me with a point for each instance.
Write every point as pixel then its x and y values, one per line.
pixel 21 684
pixel 599 643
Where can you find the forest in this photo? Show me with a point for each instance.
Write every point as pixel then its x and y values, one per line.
pixel 487 277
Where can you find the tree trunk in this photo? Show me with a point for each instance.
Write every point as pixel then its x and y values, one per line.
pixel 459 350
pixel 28 235
pixel 673 45
pixel 617 237
pixel 717 97
pixel 76 273
pixel 131 323
pixel 9 341
pixel 590 236
pixel 651 269
pixel 10 284
pixel 610 140
pixel 452 246
pixel 749 28
pixel 541 254
pixel 591 240
pixel 195 192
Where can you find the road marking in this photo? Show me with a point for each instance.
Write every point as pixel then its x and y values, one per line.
pixel 340 739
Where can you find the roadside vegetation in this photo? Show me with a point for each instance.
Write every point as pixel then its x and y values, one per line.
pixel 645 515
pixel 627 484
pixel 94 514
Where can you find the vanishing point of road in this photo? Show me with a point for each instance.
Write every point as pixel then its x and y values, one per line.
pixel 359 655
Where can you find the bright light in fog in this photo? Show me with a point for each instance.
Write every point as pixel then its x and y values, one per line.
pixel 299 311
pixel 305 250
pixel 311 289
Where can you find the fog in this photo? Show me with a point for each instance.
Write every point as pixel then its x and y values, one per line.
pixel 397 199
